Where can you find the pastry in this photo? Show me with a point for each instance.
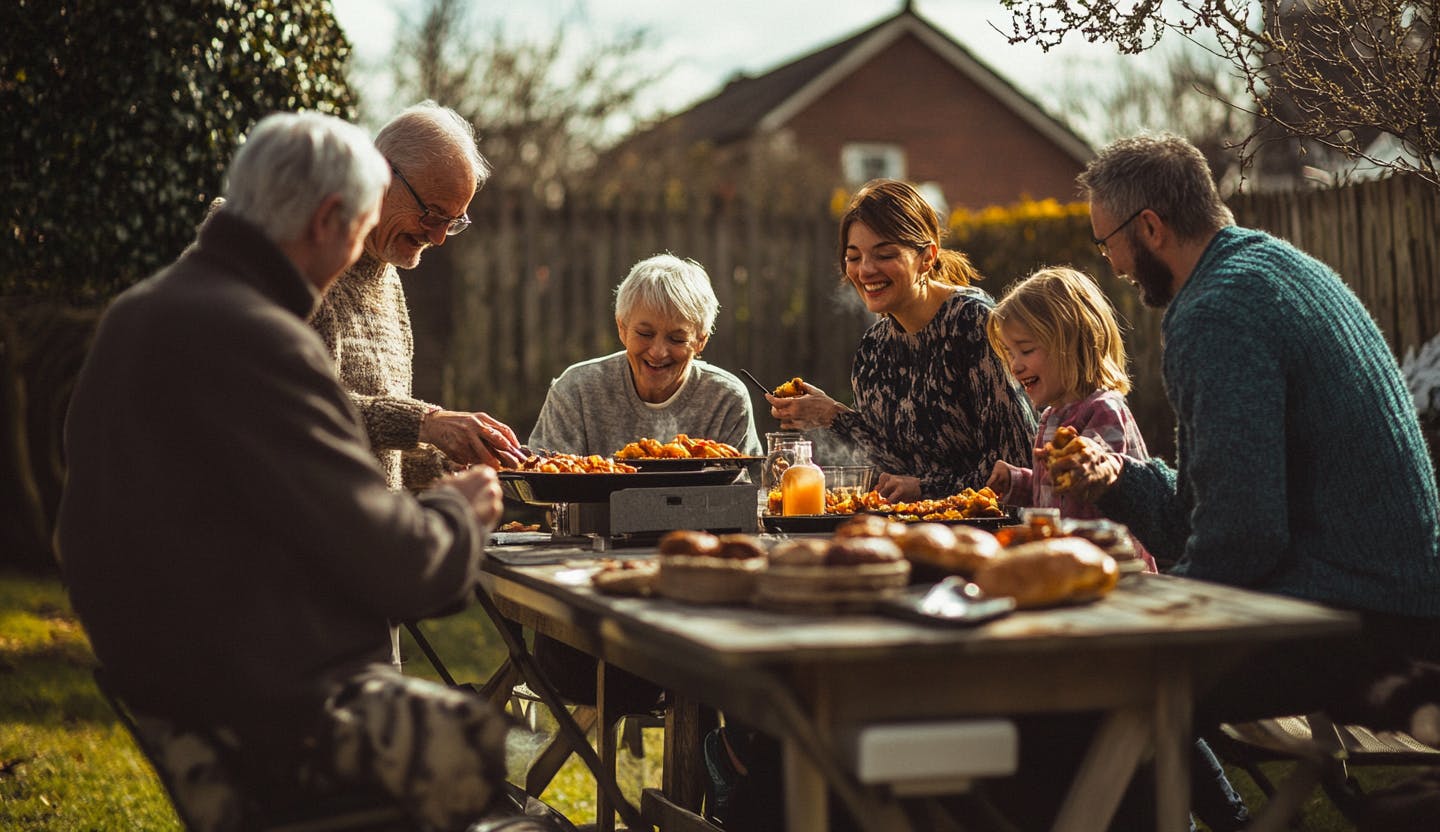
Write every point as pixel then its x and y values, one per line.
pixel 1063 444
pixel 687 542
pixel 1047 572
pixel 739 547
pixel 869 525
pixel 803 552
pixel 848 551
pixel 961 550
pixel 631 577
pixel 790 389
pixel 702 569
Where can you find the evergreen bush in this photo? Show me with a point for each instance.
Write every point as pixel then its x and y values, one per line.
pixel 118 120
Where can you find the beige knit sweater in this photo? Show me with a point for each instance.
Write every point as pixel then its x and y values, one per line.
pixel 365 324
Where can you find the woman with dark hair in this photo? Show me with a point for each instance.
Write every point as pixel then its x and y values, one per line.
pixel 934 407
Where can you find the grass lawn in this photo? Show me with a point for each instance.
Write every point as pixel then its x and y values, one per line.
pixel 67 764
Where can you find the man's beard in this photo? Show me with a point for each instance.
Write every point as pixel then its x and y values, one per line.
pixel 1154 279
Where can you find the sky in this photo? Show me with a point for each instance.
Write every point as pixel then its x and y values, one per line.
pixel 701 45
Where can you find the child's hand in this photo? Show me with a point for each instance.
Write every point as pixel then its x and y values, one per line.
pixel 999 481
pixel 1086 471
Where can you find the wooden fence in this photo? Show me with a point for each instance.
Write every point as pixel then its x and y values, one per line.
pixel 531 291
pixel 528 290
pixel 1382 237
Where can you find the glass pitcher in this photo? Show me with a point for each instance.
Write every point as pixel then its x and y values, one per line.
pixel 779 455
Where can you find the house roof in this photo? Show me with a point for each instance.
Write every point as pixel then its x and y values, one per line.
pixel 763 103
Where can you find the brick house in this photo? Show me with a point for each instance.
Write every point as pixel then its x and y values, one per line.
pixel 900 99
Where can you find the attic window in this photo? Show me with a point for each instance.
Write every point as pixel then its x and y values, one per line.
pixel 865 161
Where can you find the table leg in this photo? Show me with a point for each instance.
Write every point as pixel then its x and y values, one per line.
pixel 1109 763
pixel 806 809
pixel 684 773
pixel 1173 740
pixel 605 750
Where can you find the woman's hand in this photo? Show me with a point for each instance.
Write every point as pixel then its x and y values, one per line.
pixel 897 488
pixel 1085 473
pixel 472 438
pixel 999 481
pixel 481 487
pixel 812 410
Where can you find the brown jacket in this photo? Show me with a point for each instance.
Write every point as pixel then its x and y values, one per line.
pixel 225 533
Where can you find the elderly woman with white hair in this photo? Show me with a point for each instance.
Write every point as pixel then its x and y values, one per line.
pixel 657 385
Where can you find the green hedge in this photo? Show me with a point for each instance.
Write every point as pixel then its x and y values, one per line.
pixel 117 121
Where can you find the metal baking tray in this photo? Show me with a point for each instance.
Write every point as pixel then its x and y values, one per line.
pixel 646 464
pixel 540 489
pixel 826 523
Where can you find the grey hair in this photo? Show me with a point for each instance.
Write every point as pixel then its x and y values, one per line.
pixel 427 133
pixel 669 285
pixel 291 162
pixel 1162 172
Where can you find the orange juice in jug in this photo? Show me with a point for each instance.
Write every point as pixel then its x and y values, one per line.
pixel 802 486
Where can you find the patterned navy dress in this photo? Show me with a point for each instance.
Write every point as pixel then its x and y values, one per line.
pixel 937 404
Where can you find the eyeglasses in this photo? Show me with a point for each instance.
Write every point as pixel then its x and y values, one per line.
pixel 429 217
pixel 1102 242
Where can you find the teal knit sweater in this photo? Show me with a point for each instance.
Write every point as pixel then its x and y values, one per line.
pixel 1300 465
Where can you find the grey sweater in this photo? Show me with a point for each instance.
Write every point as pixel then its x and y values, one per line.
pixel 1300 465
pixel 592 408
pixel 365 325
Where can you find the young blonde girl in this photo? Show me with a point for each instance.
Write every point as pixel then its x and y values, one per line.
pixel 1056 333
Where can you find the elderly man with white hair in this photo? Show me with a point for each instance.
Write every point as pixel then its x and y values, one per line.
pixel 365 321
pixel 228 539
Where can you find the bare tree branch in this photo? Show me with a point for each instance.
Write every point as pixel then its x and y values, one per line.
pixel 1333 73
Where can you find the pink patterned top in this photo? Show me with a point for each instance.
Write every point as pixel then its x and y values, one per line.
pixel 1102 416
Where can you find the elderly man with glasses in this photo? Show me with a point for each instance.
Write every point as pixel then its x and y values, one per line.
pixel 365 322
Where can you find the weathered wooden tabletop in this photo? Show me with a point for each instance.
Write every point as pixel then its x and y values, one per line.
pixel 1139 654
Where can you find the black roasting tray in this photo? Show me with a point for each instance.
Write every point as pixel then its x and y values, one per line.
pixel 536 488
pixel 648 464
pixel 827 523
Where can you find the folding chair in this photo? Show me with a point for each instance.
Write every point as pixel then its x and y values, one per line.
pixel 573 737
pixel 349 812
pixel 522 702
pixel 353 811
pixel 1325 749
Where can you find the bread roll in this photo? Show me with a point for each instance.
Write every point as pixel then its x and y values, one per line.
pixel 630 578
pixel 960 550
pixel 739 547
pixel 852 550
pixel 1047 572
pixel 803 552
pixel 928 543
pixel 869 525
pixel 688 542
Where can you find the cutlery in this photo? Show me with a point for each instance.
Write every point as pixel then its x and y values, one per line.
pixel 764 391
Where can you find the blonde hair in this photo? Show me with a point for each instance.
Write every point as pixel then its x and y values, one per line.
pixel 1073 321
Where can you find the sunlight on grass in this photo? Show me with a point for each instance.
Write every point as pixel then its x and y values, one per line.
pixel 67 763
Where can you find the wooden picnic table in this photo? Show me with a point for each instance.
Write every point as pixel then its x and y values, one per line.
pixel 1138 656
